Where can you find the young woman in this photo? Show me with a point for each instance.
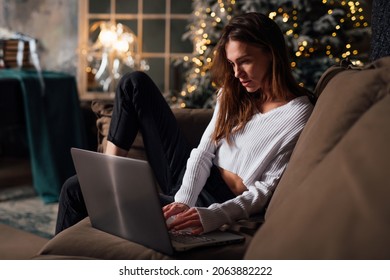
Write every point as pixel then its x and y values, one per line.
pixel 243 152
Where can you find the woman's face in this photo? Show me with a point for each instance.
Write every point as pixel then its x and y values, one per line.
pixel 251 64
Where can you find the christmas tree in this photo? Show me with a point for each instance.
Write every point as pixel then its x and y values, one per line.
pixel 318 34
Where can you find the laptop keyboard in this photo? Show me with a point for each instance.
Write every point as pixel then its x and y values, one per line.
pixel 187 238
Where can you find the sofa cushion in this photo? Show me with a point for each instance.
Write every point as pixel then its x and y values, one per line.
pixel 84 241
pixel 332 201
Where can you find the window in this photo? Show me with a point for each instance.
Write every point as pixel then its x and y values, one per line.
pixel 158 26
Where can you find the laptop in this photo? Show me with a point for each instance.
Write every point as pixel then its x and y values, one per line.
pixel 121 197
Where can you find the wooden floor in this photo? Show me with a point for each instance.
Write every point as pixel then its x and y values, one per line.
pixel 18 245
pixel 15 171
pixel 14 243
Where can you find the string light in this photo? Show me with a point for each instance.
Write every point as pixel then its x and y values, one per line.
pixel 354 17
pixel 216 16
pixel 203 39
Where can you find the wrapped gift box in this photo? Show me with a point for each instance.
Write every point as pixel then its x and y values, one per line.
pixel 15 53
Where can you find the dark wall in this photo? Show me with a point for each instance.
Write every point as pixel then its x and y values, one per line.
pixel 54 23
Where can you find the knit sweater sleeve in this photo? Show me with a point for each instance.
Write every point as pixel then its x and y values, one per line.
pixel 198 166
pixel 251 201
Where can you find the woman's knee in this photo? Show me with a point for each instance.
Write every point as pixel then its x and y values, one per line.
pixel 134 80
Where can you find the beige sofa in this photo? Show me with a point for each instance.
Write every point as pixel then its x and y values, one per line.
pixel 332 201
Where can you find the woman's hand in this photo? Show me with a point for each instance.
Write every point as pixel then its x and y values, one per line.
pixel 174 208
pixel 185 218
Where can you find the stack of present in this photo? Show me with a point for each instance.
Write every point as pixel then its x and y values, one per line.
pixel 17 50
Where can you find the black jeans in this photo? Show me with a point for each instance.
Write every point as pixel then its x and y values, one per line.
pixel 140 106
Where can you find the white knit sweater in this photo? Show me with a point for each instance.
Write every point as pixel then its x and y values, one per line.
pixel 259 154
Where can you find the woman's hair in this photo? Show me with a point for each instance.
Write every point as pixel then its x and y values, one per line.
pixel 237 106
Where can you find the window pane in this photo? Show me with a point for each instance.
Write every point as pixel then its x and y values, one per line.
pixel 126 6
pixel 154 6
pixel 178 27
pixel 154 36
pixel 156 71
pixel 181 6
pixel 132 24
pixel 94 30
pixel 99 7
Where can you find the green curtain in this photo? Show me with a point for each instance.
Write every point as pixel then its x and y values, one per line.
pixel 54 124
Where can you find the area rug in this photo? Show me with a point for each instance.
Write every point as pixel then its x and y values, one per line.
pixel 21 208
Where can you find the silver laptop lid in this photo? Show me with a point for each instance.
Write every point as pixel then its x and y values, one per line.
pixel 115 191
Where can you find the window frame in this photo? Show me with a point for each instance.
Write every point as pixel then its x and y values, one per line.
pixel 167 56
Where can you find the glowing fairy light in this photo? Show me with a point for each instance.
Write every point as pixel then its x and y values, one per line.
pixel 292 19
